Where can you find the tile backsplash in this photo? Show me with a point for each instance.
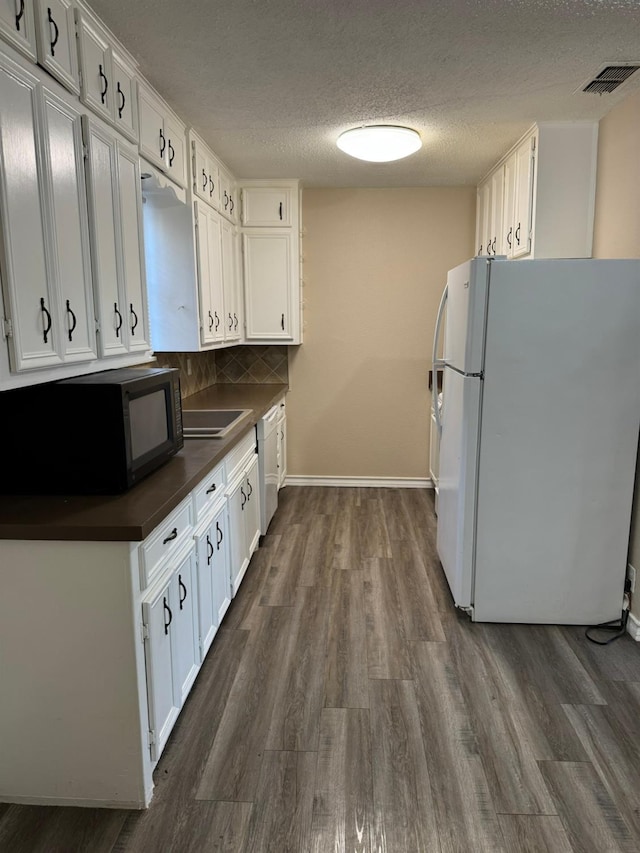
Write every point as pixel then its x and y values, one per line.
pixel 242 364
pixel 203 369
pixel 253 364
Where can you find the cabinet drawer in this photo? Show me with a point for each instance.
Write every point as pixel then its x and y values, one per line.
pixel 234 461
pixel 164 541
pixel 209 490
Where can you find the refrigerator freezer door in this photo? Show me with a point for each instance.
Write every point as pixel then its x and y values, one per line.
pixel 457 482
pixel 560 415
pixel 466 313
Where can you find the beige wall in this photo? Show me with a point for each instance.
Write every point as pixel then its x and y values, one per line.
pixel 375 263
pixel 617 229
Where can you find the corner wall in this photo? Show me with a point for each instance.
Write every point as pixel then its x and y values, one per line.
pixel 617 233
pixel 375 264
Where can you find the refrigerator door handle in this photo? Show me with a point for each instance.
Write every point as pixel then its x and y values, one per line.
pixel 438 362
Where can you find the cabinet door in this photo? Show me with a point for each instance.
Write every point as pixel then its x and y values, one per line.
pixel 230 282
pixel 221 575
pixel 282 448
pixel 485 218
pixel 56 36
pixel 17 25
pixel 497 201
pixel 207 317
pixel 96 90
pixel 266 206
pixel 157 616
pixel 175 153
pixel 226 194
pixel 268 284
pixel 207 616
pixel 153 142
pixel 184 631
pixel 69 228
pixel 131 249
pixel 216 275
pixel 252 508
pixel 104 225
pixel 523 200
pixel 200 171
pixel 125 106
pixel 238 549
pixel 509 200
pixel 29 298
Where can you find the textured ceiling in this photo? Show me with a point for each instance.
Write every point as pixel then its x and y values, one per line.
pixel 271 83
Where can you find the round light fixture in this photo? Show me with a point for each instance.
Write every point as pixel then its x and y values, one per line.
pixel 379 143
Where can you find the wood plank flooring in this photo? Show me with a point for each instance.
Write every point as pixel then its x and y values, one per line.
pixel 347 707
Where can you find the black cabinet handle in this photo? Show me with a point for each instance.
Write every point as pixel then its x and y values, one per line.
pixel 217 320
pixel 47 321
pixel 509 236
pixel 123 100
pixel 212 186
pixel 280 211
pixel 103 76
pixel 211 489
pixel 172 153
pixel 134 317
pixel 163 143
pixel 282 323
pixel 204 180
pixel 493 245
pixel 210 321
pixel 226 200
pixel 232 204
pixel 118 318
pixel 167 609
pixel 219 535
pixel 72 327
pixel 20 15
pixel 209 550
pixel 249 488
pixel 244 498
pixel 230 322
pixel 56 32
pixel 183 598
pixel 480 249
pixel 518 234
pixel 235 322
pixel 173 535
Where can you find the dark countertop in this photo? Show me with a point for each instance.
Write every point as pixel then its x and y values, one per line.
pixel 131 516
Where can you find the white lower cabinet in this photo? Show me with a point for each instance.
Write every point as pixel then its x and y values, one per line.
pixel 282 444
pixel 243 494
pixel 214 583
pixel 146 613
pixel 172 656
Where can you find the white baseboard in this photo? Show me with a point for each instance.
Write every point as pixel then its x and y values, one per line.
pixel 362 482
pixel 633 627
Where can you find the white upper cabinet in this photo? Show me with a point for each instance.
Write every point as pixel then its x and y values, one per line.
pixel 228 203
pixel 47 272
pixel 233 325
pixel 266 206
pixel 205 179
pixel 162 135
pixel 115 217
pixel 539 200
pixel 18 26
pixel 107 78
pixel 56 39
pixel 271 262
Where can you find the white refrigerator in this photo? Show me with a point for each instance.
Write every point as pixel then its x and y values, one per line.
pixel 539 436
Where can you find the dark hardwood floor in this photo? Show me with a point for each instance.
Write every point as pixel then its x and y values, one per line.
pixel 347 706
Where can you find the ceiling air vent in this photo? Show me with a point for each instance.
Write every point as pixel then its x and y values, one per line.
pixel 610 78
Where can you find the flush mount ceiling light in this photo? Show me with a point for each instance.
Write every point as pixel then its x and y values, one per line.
pixel 379 143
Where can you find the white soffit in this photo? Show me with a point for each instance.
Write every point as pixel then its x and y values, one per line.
pixel 271 84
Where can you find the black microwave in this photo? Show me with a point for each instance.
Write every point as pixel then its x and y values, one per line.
pixel 94 434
